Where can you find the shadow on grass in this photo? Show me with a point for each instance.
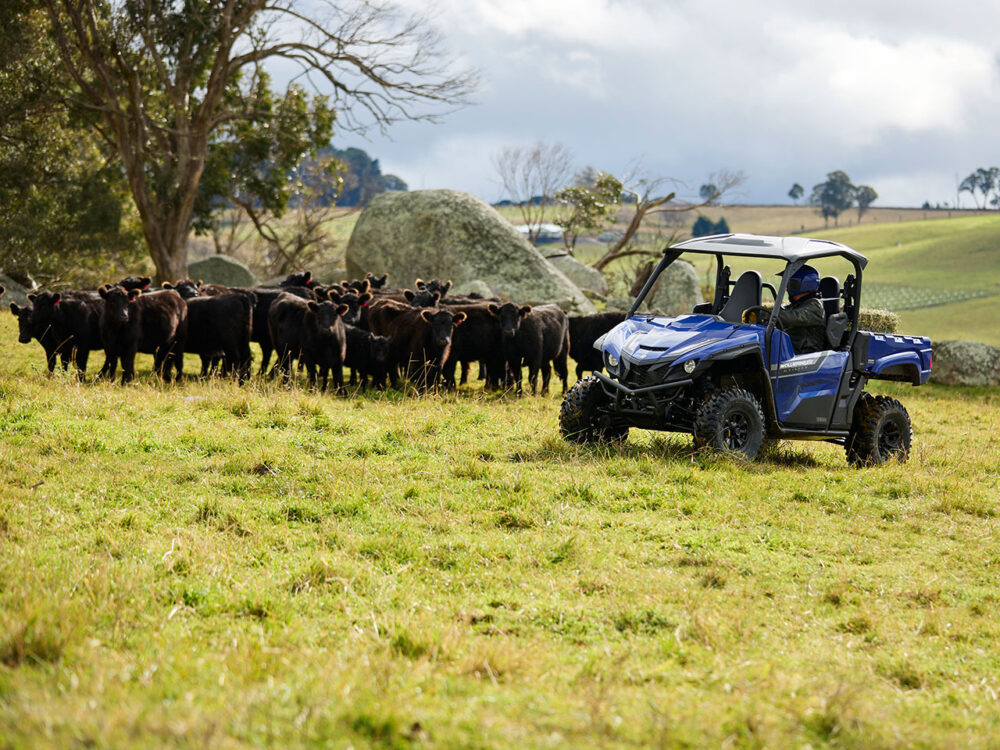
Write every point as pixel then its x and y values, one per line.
pixel 674 449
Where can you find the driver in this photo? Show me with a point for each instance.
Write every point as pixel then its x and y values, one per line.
pixel 803 319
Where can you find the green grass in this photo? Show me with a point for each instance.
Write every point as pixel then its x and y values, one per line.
pixel 209 565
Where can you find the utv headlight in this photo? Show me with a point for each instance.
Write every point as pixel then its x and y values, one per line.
pixel 612 359
pixel 689 366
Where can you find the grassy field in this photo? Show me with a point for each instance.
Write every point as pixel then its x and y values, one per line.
pixel 205 565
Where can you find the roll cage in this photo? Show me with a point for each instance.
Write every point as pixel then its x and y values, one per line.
pixel 795 251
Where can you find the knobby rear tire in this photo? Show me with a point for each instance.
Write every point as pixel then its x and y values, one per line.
pixel 880 431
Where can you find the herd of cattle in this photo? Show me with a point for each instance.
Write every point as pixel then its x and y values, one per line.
pixel 376 331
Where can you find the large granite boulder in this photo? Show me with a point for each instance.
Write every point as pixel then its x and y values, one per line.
pixel 221 269
pixel 15 292
pixel 965 363
pixel 452 235
pixel 676 292
pixel 587 278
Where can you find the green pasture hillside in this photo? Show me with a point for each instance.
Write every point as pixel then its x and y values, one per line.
pixel 925 265
pixel 209 565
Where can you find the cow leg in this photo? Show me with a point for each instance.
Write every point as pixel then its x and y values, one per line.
pixel 65 356
pixel 206 363
pixel 265 356
pixel 562 370
pixel 50 360
pixel 160 367
pixel 128 366
pixel 177 359
pixel 81 362
pixel 546 376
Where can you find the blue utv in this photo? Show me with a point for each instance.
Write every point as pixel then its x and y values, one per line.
pixel 735 383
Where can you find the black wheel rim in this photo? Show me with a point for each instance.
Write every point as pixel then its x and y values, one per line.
pixel 736 431
pixel 890 438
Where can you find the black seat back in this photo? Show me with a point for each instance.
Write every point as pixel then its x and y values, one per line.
pixel 746 293
pixel 829 290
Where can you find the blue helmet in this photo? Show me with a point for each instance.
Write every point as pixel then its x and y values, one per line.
pixel 806 279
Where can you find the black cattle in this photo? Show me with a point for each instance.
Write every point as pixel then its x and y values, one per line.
pixel 367 356
pixel 421 340
pixel 356 302
pixel 476 340
pixel 74 320
pixel 139 283
pixel 260 330
pixel 221 324
pixel 297 279
pixel 28 328
pixel 536 337
pixel 584 330
pixel 155 323
pixel 434 285
pixel 376 282
pixel 310 330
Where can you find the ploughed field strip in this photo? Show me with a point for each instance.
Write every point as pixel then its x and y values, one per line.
pixel 897 297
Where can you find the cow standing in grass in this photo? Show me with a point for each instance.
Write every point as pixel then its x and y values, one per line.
pixel 537 337
pixel 74 320
pixel 584 330
pixel 476 340
pixel 155 323
pixel 29 328
pixel 310 330
pixel 421 339
pixel 367 356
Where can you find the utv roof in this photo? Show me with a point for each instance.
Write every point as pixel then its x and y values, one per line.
pixel 757 246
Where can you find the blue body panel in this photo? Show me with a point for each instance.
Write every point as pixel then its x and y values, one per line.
pixel 887 350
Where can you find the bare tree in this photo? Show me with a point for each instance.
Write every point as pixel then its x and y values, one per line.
pixel 652 199
pixel 300 237
pixel 159 78
pixel 228 230
pixel 530 176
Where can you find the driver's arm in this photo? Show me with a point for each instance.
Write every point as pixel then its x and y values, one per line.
pixel 804 316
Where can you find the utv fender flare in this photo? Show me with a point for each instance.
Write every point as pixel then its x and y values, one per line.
pixel 903 366
pixel 754 368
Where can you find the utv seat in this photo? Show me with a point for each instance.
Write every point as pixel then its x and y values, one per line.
pixel 829 291
pixel 746 293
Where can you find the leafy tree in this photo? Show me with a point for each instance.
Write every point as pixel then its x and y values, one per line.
pixel 865 195
pixel 587 206
pixel 703 227
pixel 833 196
pixel 721 227
pixel 708 192
pixel 363 178
pixel 984 181
pixel 796 193
pixel 162 79
pixel 531 175
pixel 65 211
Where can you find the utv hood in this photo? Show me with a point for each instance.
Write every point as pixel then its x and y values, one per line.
pixel 645 340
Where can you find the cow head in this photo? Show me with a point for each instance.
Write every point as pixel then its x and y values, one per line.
pixel 118 303
pixel 27 325
pixel 441 323
pixel 354 302
pixel 327 315
pixel 380 347
pixel 422 297
pixel 299 278
pixel 139 283
pixel 434 285
pixel 377 282
pixel 187 288
pixel 510 316
pixel 45 305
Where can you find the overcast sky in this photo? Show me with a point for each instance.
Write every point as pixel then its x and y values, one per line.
pixel 903 95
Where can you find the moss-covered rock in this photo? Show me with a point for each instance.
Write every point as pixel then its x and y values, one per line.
pixel 586 277
pixel 452 235
pixel 965 363
pixel 676 292
pixel 221 269
pixel 15 292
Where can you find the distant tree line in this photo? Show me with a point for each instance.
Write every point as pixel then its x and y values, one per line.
pixel 835 195
pixel 984 187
